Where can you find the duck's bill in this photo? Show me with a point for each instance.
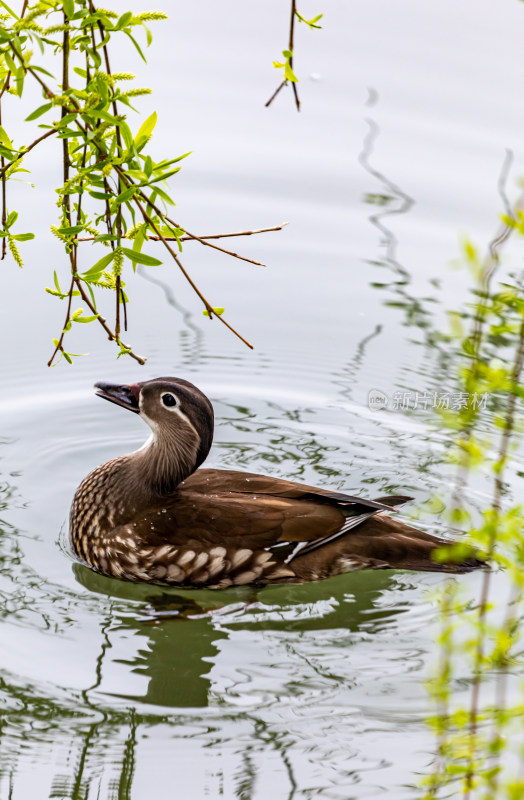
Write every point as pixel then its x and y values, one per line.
pixel 123 395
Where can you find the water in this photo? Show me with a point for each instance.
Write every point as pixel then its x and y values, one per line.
pixel 314 691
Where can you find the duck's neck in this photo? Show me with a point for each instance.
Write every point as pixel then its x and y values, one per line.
pixel 161 464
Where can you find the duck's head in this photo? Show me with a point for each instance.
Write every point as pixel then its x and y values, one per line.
pixel 180 417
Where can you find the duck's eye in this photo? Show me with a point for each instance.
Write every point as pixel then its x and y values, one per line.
pixel 169 400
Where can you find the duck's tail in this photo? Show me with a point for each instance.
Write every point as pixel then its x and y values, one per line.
pixel 374 540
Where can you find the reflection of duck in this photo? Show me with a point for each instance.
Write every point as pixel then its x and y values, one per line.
pixel 176 639
pixel 154 516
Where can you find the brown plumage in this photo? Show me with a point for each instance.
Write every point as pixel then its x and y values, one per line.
pixel 154 516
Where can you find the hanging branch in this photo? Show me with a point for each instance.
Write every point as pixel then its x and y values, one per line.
pixel 468 750
pixel 287 64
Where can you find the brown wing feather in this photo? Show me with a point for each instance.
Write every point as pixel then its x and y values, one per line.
pixel 238 520
pixel 245 509
pixel 226 481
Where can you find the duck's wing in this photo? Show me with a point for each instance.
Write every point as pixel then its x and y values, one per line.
pixel 246 509
pixel 230 481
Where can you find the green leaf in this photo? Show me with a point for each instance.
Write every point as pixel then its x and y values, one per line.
pixel 126 134
pixel 146 129
pixel 11 219
pixel 140 258
pixel 101 195
pixel 165 176
pixel 41 69
pixel 5 138
pixel 9 61
pixel 39 111
pixel 139 239
pixel 71 229
pixel 69 7
pixel 126 195
pixel 167 163
pixel 86 319
pixel 311 22
pixel 289 74
pixel 218 311
pixel 165 197
pixel 23 237
pixel 99 267
pixel 140 53
pixel 124 20
pixel 19 78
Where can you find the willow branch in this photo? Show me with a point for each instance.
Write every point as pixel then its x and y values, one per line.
pixel 509 425
pixel 128 182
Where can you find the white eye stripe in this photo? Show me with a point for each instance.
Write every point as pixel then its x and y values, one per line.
pixel 178 412
pixel 187 421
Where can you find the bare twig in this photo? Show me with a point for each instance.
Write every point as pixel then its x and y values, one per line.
pixel 266 105
pixel 186 238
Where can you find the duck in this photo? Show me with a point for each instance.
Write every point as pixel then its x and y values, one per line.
pixel 156 515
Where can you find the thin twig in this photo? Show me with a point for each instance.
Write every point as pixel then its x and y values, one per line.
pixel 186 238
pixel 266 105
pixel 291 48
pixel 216 247
pixel 26 150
